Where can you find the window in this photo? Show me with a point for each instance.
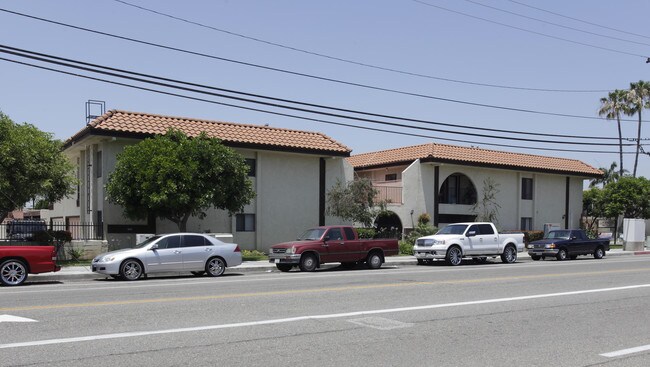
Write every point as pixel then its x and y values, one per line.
pixel 349 233
pixel 527 188
pixel 526 224
pixel 98 164
pixel 193 241
pixel 335 234
pixel 169 242
pixel 485 229
pixel 390 177
pixel 251 166
pixel 245 222
pixel 457 189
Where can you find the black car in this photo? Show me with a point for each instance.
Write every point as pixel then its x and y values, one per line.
pixel 567 243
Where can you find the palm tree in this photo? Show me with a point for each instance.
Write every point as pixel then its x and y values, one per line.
pixel 638 98
pixel 611 107
pixel 609 176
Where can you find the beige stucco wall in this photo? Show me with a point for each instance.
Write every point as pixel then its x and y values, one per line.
pixel 286 184
pixel 547 206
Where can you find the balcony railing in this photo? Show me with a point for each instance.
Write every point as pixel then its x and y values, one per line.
pixel 388 191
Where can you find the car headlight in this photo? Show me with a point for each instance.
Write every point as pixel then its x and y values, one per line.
pixel 550 245
pixel 109 258
pixel 291 250
pixel 531 246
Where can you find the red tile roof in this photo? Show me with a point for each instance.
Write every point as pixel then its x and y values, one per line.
pixel 116 122
pixel 472 156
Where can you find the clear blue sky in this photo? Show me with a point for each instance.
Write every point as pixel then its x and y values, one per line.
pixel 404 35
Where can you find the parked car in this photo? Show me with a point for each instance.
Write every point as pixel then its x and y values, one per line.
pixel 24 229
pixel 18 261
pixel 178 252
pixel 567 243
pixel 468 240
pixel 329 244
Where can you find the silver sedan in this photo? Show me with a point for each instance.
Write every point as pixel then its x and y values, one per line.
pixel 178 252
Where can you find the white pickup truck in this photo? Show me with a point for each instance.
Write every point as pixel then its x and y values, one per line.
pixel 468 240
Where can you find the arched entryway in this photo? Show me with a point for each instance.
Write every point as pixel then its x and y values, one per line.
pixel 388 225
pixel 457 189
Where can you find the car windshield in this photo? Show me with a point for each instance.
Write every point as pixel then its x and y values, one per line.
pixel 312 234
pixel 147 241
pixel 453 229
pixel 558 234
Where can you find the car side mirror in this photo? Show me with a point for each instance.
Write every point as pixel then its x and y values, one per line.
pixel 573 238
pixel 326 238
pixel 154 247
pixel 471 233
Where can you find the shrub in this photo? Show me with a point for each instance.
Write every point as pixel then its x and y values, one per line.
pixel 530 236
pixel 366 232
pixel 420 231
pixel 405 248
pixel 253 255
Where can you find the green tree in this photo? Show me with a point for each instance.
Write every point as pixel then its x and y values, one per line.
pixel 31 165
pixel 353 201
pixel 611 107
pixel 175 177
pixel 593 207
pixel 637 98
pixel 629 196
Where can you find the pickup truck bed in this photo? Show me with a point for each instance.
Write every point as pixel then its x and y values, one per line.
pixel 18 261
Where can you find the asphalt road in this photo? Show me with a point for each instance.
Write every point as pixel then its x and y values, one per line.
pixel 573 313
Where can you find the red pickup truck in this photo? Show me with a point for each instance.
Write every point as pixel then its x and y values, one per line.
pixel 17 261
pixel 331 244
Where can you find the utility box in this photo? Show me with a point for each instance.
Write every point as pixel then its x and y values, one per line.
pixel 633 234
pixel 551 227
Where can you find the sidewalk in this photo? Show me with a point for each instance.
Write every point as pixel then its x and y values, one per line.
pixel 84 272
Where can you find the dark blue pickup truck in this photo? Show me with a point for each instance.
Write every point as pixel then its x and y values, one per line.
pixel 567 243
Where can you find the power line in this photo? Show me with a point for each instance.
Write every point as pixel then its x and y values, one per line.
pixel 302 117
pixel 529 31
pixel 551 23
pixel 366 86
pixel 276 105
pixel 358 63
pixel 44 57
pixel 580 20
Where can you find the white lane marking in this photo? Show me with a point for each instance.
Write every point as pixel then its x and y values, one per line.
pixel 10 318
pixel 303 276
pixel 311 317
pixel 623 352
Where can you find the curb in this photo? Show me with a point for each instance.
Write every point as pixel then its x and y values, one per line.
pixel 84 273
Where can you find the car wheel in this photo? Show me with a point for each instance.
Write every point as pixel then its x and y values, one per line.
pixel 561 255
pixel 284 267
pixel 13 272
pixel 308 262
pixel 215 267
pixel 599 253
pixel 374 261
pixel 197 273
pixel 420 261
pixel 509 255
pixel 454 256
pixel 131 270
pixel 535 257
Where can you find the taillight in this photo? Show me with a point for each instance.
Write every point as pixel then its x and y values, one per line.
pixel 237 248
